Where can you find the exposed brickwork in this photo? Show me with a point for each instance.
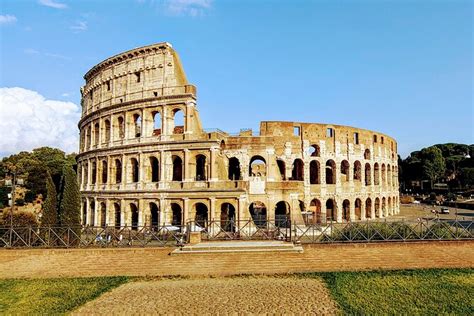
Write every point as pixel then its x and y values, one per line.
pixel 39 263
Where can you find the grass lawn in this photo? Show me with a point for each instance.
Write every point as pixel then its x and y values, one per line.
pixel 51 296
pixel 408 292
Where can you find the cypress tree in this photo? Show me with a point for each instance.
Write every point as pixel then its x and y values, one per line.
pixel 70 208
pixel 50 206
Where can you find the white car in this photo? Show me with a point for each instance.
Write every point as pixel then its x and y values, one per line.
pixel 416 202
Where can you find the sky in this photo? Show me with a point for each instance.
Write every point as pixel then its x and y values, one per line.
pixel 403 68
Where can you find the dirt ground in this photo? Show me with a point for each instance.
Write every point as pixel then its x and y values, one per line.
pixel 242 295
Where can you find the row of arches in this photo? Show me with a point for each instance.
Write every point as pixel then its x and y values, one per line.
pixel 102 131
pixel 318 212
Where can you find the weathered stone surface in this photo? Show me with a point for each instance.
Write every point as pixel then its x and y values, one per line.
pixel 139 166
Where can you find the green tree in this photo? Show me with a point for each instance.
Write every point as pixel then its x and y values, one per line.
pixel 433 163
pixel 50 206
pixel 70 208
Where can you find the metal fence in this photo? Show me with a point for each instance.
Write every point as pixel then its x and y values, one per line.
pixel 261 229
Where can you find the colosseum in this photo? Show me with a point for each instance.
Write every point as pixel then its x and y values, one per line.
pixel 145 158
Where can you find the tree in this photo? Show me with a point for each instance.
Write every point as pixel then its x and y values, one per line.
pixel 70 208
pixel 50 206
pixel 433 163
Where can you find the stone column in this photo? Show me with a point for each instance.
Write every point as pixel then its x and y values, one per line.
pixel 96 212
pixel 190 106
pixel 124 172
pixel 162 169
pixel 141 170
pixel 186 211
pixel 142 213
pixel 123 216
pixel 362 210
pixel 212 209
pixel 339 210
pixel 186 175
pixel 213 164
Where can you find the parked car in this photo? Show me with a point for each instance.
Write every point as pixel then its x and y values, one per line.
pixel 444 210
pixel 416 202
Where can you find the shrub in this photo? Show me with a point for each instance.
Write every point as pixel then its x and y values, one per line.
pixel 20 218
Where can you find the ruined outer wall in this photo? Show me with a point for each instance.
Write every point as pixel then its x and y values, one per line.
pixel 137 165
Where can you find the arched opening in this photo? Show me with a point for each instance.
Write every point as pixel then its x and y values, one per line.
pixel 368 208
pixel 107 131
pixel 384 179
pixel 297 174
pixel 121 127
pixel 282 214
pixel 384 207
pixel 367 154
pixel 201 214
pixel 134 213
pixel 155 215
pixel 96 133
pixel 155 169
pixel 389 175
pixel 117 216
pixel 178 119
pixel 389 206
pixel 314 151
pixel 377 207
pixel 367 174
pixel 134 170
pixel 345 171
pixel 257 167
pixel 346 210
pixel 177 214
pixel 314 172
pixel 94 172
pixel 86 173
pixel 376 174
pixel 234 169
pixel 84 213
pixel 357 209
pixel 103 214
pixel 222 145
pixel 92 213
pixel 118 171
pixel 177 168
pixel 331 212
pixel 315 208
pixel 201 168
pixel 104 172
pixel 357 171
pixel 228 218
pixel 156 123
pixel 330 172
pixel 137 125
pixel 258 212
pixel 282 169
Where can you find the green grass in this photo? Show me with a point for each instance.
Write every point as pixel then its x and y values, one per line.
pixel 51 296
pixel 407 292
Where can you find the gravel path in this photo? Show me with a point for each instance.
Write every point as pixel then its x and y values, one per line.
pixel 242 295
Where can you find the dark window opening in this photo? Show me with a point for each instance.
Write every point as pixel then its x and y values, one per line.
pixel 234 169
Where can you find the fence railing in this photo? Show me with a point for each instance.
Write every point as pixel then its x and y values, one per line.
pixel 251 229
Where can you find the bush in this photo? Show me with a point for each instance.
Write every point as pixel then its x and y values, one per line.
pixel 30 196
pixel 20 218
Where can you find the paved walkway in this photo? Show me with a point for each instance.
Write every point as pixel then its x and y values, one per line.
pixel 47 263
pixel 285 295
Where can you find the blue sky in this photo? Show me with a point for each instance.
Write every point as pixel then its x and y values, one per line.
pixel 404 68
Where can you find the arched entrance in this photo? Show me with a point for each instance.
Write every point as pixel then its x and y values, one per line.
pixel 155 215
pixel 258 212
pixel 357 209
pixel 346 210
pixel 330 210
pixel 315 207
pixel 228 218
pixel 177 215
pixel 282 214
pixel 368 208
pixel 117 216
pixel 134 213
pixel 201 214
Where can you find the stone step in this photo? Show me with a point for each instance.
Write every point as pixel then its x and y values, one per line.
pixel 239 247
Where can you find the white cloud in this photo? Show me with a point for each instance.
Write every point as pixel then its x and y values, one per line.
pixel 31 51
pixel 188 7
pixel 29 121
pixel 80 26
pixel 7 19
pixel 52 4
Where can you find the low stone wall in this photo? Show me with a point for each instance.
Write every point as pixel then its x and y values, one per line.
pixel 50 263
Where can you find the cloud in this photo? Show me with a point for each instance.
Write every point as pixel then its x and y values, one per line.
pixel 32 51
pixel 80 26
pixel 29 121
pixel 7 19
pixel 188 7
pixel 52 4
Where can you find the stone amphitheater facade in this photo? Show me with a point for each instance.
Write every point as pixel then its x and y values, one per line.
pixel 146 160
